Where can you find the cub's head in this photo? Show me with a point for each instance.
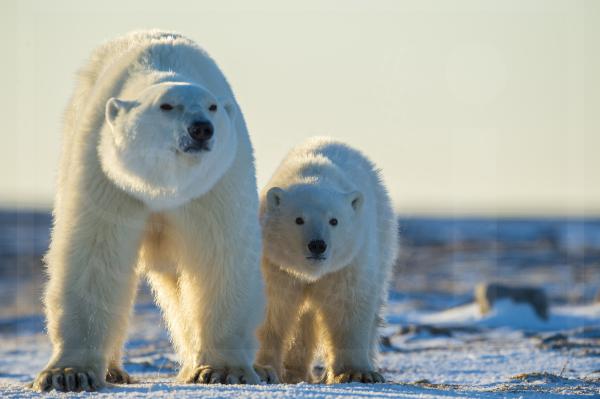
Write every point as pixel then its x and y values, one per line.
pixel 170 144
pixel 311 231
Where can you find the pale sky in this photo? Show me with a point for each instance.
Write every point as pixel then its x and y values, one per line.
pixel 469 107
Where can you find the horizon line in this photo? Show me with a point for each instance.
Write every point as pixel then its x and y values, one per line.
pixel 402 213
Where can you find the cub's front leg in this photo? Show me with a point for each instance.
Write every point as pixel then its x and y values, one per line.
pixel 347 307
pixel 297 361
pixel 284 299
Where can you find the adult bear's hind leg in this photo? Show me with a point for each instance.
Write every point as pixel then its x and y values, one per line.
pixel 158 262
pixel 116 373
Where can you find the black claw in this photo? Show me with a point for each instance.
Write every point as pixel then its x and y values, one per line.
pixel 47 383
pixel 60 381
pixel 215 380
pixel 196 376
pixel 94 385
pixel 70 382
pixel 206 376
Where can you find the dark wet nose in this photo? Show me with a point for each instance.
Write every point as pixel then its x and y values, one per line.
pixel 201 131
pixel 317 247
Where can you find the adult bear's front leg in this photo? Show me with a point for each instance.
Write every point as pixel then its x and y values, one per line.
pixel 221 292
pixel 224 312
pixel 91 267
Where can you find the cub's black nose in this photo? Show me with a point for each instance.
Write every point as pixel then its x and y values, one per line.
pixel 317 247
pixel 201 130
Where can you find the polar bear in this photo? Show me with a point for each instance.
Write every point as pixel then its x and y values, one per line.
pixel 329 242
pixel 156 179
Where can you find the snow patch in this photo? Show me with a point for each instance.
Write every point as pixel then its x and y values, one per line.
pixel 518 316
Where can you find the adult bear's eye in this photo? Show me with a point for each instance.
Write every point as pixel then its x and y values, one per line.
pixel 166 107
pixel 333 222
pixel 299 221
pixel 212 108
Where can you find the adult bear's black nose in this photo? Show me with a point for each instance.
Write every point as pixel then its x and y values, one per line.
pixel 201 131
pixel 317 247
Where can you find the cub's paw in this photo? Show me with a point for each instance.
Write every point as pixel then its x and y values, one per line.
pixel 222 375
pixel 116 375
pixel 67 379
pixel 295 376
pixel 266 374
pixel 365 376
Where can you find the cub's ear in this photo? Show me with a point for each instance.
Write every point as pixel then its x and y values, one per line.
pixel 230 108
pixel 114 106
pixel 355 198
pixel 274 197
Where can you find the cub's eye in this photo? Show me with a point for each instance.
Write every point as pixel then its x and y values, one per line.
pixel 333 222
pixel 166 107
pixel 299 221
pixel 212 107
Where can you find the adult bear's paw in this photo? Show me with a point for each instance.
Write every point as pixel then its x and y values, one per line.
pixel 266 374
pixel 221 375
pixel 67 379
pixel 116 375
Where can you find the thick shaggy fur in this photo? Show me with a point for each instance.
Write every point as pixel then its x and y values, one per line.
pixel 132 201
pixel 334 298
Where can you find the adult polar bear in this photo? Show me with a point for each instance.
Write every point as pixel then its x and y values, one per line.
pixel 157 171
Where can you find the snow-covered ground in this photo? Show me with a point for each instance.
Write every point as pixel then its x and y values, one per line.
pixel 435 344
pixel 455 353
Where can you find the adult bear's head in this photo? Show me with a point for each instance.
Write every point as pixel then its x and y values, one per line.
pixel 171 143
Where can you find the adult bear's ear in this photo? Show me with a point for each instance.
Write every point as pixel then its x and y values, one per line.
pixel 355 198
pixel 230 108
pixel 114 106
pixel 274 197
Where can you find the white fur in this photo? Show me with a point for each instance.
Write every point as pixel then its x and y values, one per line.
pixel 129 196
pixel 335 300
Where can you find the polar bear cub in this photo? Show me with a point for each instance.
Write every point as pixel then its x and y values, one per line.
pixel 329 242
pixel 156 179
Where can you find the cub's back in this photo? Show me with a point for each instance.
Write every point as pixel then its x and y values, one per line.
pixel 333 162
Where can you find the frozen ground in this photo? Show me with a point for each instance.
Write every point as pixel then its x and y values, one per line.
pixel 455 353
pixel 435 344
